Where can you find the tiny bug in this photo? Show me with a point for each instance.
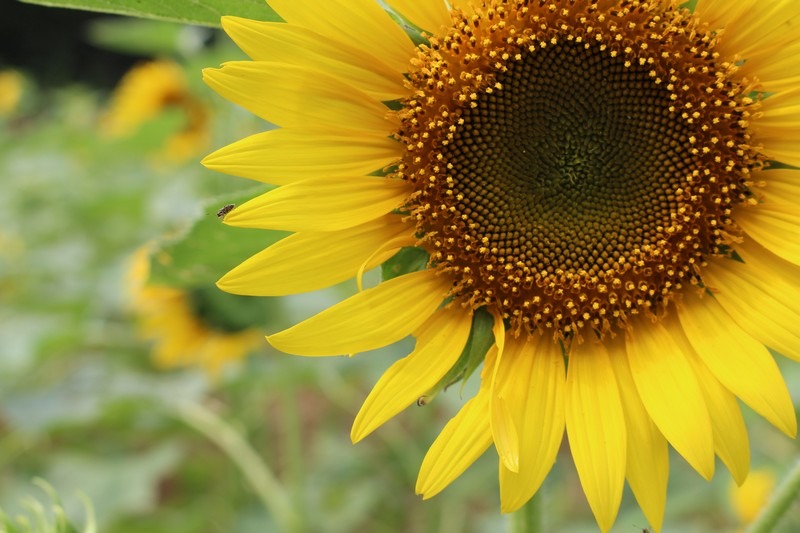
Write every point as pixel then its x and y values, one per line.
pixel 225 210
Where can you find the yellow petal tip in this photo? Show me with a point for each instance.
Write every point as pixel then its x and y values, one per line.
pixel 511 462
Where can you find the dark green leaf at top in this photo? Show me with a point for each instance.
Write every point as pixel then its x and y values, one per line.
pixel 199 12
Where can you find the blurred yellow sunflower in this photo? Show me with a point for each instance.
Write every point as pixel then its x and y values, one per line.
pixel 749 499
pixel 147 90
pixel 606 179
pixel 183 326
pixel 11 87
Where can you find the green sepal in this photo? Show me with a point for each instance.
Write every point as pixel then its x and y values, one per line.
pixel 231 313
pixel 199 12
pixel 481 338
pixel 407 260
pixel 209 249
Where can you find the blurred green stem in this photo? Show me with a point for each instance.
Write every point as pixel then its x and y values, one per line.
pixel 529 518
pixel 786 494
pixel 293 442
pixel 266 485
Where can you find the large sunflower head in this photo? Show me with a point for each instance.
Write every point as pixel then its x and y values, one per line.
pixel 608 181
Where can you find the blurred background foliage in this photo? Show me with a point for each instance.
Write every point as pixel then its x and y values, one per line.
pixel 106 219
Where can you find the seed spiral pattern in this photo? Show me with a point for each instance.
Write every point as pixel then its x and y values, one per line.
pixel 575 163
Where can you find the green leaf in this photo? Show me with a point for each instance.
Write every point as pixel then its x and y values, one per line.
pixel 231 312
pixel 407 260
pixel 199 12
pixel 152 38
pixel 209 249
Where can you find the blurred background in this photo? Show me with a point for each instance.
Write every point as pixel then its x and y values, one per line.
pixel 129 381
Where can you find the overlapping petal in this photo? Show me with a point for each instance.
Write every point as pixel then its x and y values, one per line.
pixel 293 96
pixel 321 204
pixel 465 438
pixel 779 126
pixel 283 156
pixel 774 226
pixel 730 435
pixel 371 319
pixel 309 261
pixel 766 307
pixel 596 429
pixel 750 27
pixel 272 41
pixel 736 359
pixel 533 385
pixel 363 22
pixel 647 457
pixel 671 394
pixel 439 343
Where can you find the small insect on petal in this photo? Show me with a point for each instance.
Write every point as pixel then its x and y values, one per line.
pixel 225 210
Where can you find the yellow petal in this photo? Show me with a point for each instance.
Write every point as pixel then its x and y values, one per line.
pixel 464 5
pixel 596 429
pixel 271 41
pixel 306 262
pixel 765 306
pixel 739 361
pixel 429 15
pixel 774 226
pixel 465 437
pixel 782 186
pixel 439 344
pixel 533 383
pixel 669 391
pixel 504 432
pixel 777 70
pixel 296 97
pixel 730 435
pixel 647 458
pixel 778 129
pixel 324 204
pixel 748 26
pixel 371 319
pixel 285 156
pixel 361 23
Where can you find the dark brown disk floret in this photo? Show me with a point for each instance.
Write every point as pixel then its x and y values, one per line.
pixel 574 162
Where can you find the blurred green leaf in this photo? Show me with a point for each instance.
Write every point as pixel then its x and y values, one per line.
pixel 200 12
pixel 145 37
pixel 117 484
pixel 209 249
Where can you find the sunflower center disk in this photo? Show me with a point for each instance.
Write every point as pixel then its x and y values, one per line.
pixel 574 167
pixel 570 165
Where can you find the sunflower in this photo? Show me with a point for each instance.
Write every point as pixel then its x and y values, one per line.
pixel 186 327
pixel 12 85
pixel 751 497
pixel 146 91
pixel 609 182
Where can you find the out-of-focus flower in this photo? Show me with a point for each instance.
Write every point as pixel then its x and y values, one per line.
pixel 752 496
pixel 147 90
pixel 184 326
pixel 11 86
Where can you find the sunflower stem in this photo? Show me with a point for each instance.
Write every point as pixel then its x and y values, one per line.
pixel 529 517
pixel 786 494
pixel 255 470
